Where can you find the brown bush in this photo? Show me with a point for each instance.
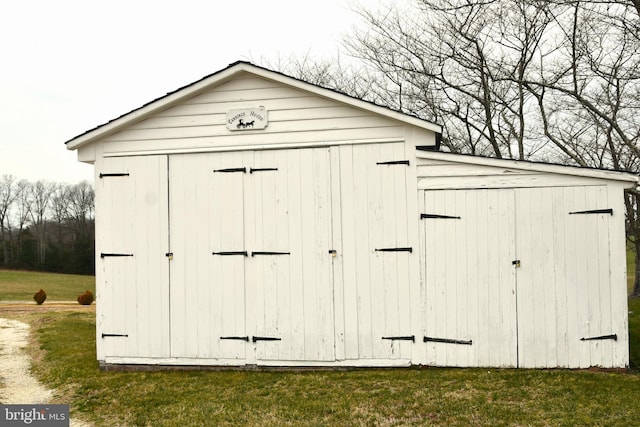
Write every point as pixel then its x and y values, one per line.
pixel 40 296
pixel 86 298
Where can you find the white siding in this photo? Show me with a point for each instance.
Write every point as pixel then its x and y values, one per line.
pixel 295 116
pixel 437 174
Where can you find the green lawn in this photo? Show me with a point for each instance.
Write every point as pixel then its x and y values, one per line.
pixel 21 285
pixel 66 360
pixel 415 396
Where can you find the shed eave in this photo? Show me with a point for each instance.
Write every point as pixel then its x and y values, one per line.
pixel 629 179
pixel 224 75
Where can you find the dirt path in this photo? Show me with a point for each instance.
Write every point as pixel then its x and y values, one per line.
pixel 17 385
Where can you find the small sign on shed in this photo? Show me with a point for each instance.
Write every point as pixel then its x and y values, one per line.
pixel 247 119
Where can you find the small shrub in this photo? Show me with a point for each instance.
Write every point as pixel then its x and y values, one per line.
pixel 86 298
pixel 40 296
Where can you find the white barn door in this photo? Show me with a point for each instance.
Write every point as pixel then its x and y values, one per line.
pixel 289 270
pixel 209 256
pixel 518 277
pixel 251 272
pixel 565 316
pixel 469 281
pixel 131 270
pixel 376 255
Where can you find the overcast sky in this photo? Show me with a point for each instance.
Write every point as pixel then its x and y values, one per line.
pixel 69 65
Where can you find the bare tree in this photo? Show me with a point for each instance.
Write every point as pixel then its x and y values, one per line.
pixel 41 193
pixel 80 199
pixel 7 197
pixel 462 64
pixel 333 73
pixel 23 212
pixel 549 80
pixel 589 95
pixel 59 209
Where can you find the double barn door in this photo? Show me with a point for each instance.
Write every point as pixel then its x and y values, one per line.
pixel 251 273
pixel 265 257
pixel 219 256
pixel 517 277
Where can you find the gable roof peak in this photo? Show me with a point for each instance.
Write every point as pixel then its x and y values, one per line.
pixel 221 76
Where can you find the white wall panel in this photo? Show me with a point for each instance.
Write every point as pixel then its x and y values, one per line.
pixel 294 116
pixel 564 284
pixel 279 201
pixel 207 291
pixel 132 291
pixel 291 212
pixel 534 315
pixel 468 278
pixel 376 284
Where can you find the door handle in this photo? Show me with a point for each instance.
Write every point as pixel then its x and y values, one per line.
pixel 516 263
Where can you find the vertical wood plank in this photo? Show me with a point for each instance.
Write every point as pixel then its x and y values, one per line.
pixel 562 282
pixel 618 279
pixel 254 292
pixel 573 283
pixel 293 166
pixel 134 289
pixel 363 246
pixel 339 300
pixel 351 219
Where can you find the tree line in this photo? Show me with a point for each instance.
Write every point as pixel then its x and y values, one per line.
pixel 555 81
pixel 47 225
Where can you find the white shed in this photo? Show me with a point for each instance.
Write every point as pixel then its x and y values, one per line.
pixel 251 218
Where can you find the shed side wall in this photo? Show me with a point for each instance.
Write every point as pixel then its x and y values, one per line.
pixel 576 286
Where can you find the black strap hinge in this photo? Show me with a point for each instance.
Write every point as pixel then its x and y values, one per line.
pixel 256 339
pixel 394 162
pixel 231 170
pixel 230 253
pixel 252 170
pixel 105 255
pixel 269 253
pixel 104 175
pixel 394 250
pixel 411 338
pixel 114 335
pixel 436 216
pixel 447 341
pixel 236 338
pixel 593 211
pixel 601 337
